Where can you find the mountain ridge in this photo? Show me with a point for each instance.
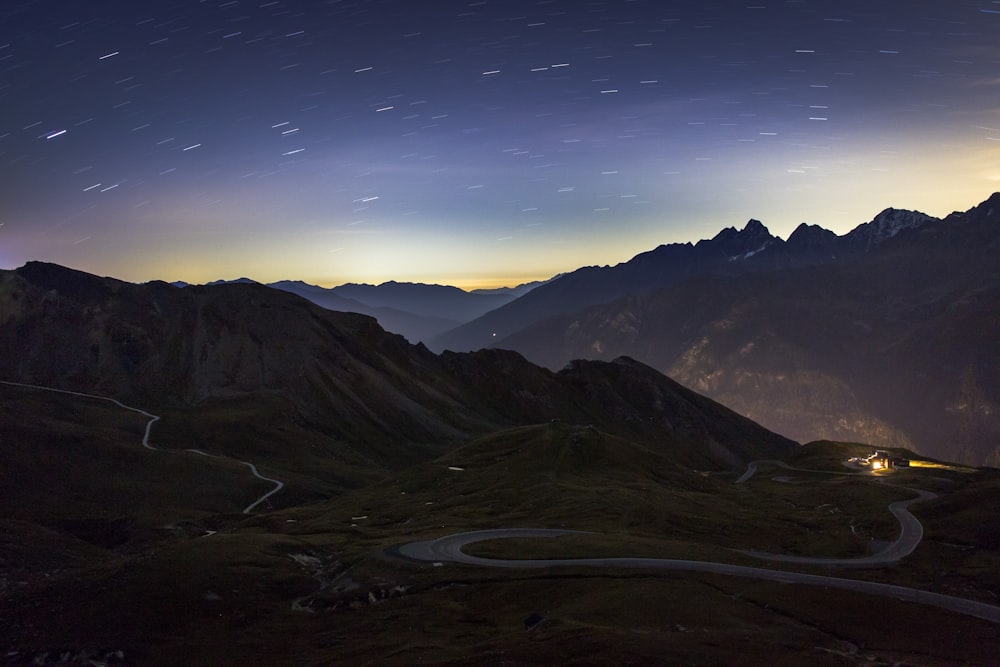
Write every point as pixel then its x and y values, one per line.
pixel 335 373
pixel 417 311
pixel 112 553
pixel 729 252
pixel 893 346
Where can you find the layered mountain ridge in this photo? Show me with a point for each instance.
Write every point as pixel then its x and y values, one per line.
pixel 417 311
pixel 884 335
pixel 730 252
pixel 293 446
pixel 331 372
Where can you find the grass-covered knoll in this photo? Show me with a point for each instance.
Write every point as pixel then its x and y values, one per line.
pixel 313 464
pixel 78 463
pixel 562 476
pixel 297 584
pixel 596 545
pixel 546 475
pixel 107 545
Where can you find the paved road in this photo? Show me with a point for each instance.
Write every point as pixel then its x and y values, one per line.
pixel 277 487
pixel 911 532
pixel 449 549
pixel 145 437
pixel 752 470
pixel 149 425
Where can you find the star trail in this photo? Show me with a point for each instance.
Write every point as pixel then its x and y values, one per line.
pixel 474 143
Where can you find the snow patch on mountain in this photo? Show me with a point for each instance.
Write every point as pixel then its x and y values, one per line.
pixel 888 224
pixel 749 253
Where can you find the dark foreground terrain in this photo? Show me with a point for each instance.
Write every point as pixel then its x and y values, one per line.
pixel 157 575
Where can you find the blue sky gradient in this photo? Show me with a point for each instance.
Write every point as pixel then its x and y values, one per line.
pixel 474 143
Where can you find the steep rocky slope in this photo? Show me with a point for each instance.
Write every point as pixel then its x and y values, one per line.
pixel 894 347
pixel 731 252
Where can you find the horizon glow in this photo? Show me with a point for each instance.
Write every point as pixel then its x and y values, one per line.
pixel 474 145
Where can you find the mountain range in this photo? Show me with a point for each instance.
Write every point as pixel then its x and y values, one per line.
pixel 417 311
pixel 339 374
pixel 886 334
pixel 882 335
pixel 223 474
pixel 730 253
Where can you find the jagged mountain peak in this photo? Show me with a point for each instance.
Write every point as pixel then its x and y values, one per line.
pixel 66 281
pixel 805 230
pixel 888 224
pixel 741 244
pixel 811 236
pixel 893 220
pixel 989 209
pixel 992 202
pixel 753 228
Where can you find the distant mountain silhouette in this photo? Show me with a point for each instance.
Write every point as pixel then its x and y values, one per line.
pixel 294 445
pixel 438 301
pixel 885 335
pixel 416 311
pixel 514 292
pixel 409 323
pixel 731 252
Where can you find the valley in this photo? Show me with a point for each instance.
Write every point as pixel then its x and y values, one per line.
pixel 230 474
pixel 884 335
pixel 499 334
pixel 313 582
pixel 278 485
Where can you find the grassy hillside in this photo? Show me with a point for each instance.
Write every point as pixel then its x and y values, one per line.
pixel 118 554
pixel 310 584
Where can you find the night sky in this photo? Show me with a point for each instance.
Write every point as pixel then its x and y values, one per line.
pixel 474 143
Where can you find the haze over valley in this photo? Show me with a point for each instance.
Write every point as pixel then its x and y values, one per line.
pixel 186 464
pixel 883 335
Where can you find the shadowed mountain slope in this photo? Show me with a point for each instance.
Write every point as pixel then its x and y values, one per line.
pixel 111 553
pixel 895 347
pixel 731 252
pixel 259 350
pixel 407 320
pixel 438 301
pixel 416 311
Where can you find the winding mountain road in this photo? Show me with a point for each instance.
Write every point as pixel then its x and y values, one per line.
pixel 752 470
pixel 911 531
pixel 449 549
pixel 145 437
